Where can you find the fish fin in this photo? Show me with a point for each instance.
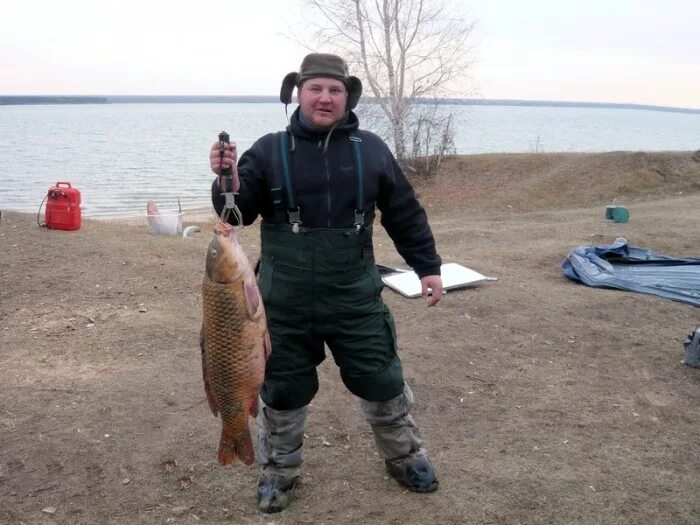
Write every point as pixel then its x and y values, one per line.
pixel 254 405
pixel 252 298
pixel 236 446
pixel 267 345
pixel 244 447
pixel 207 388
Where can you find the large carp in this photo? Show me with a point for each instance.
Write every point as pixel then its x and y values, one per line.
pixel 234 342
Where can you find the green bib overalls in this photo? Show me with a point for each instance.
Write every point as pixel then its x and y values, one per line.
pixel 322 286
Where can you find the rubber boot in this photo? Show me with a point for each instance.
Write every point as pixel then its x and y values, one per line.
pixel 416 473
pixel 280 440
pixel 275 492
pixel 399 442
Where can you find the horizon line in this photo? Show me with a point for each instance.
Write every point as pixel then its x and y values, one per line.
pixel 107 99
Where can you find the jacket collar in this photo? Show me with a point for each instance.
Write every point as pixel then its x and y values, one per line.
pixel 350 123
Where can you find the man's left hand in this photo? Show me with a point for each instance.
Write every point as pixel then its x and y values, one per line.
pixel 434 282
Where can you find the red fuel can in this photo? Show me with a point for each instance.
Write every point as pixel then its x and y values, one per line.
pixel 63 207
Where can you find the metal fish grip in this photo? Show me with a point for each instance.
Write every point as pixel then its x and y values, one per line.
pixel 231 210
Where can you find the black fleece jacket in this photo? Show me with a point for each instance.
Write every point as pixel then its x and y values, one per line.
pixel 325 187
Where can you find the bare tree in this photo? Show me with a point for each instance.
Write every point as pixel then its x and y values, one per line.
pixel 408 53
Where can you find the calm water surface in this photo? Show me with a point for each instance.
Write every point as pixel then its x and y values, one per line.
pixel 121 155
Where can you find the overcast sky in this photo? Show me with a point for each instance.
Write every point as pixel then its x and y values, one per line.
pixel 627 51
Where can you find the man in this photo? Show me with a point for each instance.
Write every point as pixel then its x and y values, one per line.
pixel 316 187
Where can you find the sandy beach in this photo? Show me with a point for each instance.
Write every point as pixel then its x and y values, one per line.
pixel 541 400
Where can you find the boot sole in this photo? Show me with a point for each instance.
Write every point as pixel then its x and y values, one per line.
pixel 279 506
pixel 420 490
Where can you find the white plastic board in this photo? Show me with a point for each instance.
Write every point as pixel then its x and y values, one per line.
pixel 453 276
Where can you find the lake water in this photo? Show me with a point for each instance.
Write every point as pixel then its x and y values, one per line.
pixel 121 155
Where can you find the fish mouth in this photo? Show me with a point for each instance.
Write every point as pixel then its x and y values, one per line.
pixel 224 229
pixel 223 256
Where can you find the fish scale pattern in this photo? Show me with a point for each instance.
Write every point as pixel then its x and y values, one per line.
pixel 228 353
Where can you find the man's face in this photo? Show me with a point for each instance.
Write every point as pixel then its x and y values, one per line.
pixel 322 101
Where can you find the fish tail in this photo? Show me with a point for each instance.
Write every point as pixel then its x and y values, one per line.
pixel 234 446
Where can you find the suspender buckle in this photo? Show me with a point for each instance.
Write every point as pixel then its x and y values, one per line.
pixel 295 219
pixel 359 220
pixel 276 194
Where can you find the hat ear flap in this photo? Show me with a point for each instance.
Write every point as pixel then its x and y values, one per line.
pixel 288 84
pixel 354 87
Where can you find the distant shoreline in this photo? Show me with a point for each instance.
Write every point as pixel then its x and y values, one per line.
pixel 6 100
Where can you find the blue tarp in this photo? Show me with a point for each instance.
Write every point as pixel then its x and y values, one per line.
pixel 621 266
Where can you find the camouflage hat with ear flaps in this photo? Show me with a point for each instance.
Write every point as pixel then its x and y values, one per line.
pixel 322 65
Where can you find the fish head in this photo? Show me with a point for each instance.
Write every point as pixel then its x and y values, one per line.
pixel 151 208
pixel 225 258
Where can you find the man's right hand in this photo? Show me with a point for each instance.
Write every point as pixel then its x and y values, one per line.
pixel 229 160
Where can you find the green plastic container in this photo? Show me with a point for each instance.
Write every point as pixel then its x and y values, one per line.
pixel 617 214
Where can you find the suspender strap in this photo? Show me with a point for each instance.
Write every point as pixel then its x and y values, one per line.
pixel 292 208
pixel 359 176
pixel 284 155
pixel 277 192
